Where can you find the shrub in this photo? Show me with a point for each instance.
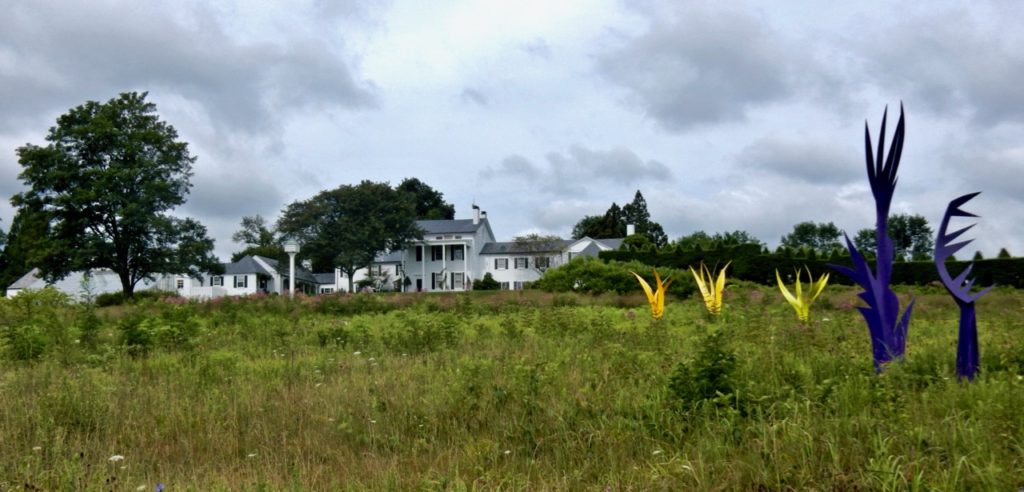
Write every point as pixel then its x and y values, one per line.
pixel 487 283
pixel 176 327
pixel 117 298
pixel 35 321
pixel 352 304
pixel 110 299
pixel 591 275
pixel 707 377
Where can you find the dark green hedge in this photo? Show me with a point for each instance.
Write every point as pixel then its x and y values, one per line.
pixel 750 263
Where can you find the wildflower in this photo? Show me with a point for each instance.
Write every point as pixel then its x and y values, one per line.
pixel 159 487
pixel 508 452
pixel 141 487
pixel 250 455
pixel 356 352
pixel 37 448
pixel 801 303
pixel 712 292
pixel 115 458
pixel 656 297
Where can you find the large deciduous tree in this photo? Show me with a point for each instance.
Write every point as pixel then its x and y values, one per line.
pixel 106 179
pixel 823 238
pixel 910 234
pixel 429 202
pixel 347 227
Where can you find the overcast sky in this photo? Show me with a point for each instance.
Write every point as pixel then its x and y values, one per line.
pixel 746 116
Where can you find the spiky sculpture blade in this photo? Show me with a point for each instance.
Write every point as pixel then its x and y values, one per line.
pixel 888 336
pixel 968 356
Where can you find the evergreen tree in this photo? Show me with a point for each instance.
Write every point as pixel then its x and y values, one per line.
pixel 23 247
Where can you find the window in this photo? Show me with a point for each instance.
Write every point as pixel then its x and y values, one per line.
pixel 215 281
pixel 241 281
pixel 542 262
pixel 517 285
pixel 501 263
pixel 504 286
pixel 181 283
pixel 436 281
pixel 522 263
pixel 419 253
pixel 437 253
pixel 457 252
pixel 326 290
pixel 458 280
pixel 571 254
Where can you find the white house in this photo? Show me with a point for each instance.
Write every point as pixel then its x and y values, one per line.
pixel 450 256
pixel 80 285
pixel 247 276
pixel 454 253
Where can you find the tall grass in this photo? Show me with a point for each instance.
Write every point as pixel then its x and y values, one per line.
pixel 503 391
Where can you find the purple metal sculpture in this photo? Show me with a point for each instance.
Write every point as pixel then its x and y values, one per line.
pixel 967 353
pixel 888 336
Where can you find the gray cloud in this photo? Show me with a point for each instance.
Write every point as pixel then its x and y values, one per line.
pixel 572 173
pixel 955 62
pixel 998 172
pixel 703 68
pixel 560 215
pixel 514 166
pixel 53 57
pixel 474 96
pixel 811 162
pixel 224 194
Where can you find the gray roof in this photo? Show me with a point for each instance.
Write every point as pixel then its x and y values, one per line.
pixel 247 265
pixel 26 280
pixel 612 243
pixel 392 257
pixel 300 273
pixel 456 226
pixel 515 247
pixel 591 250
pixel 324 278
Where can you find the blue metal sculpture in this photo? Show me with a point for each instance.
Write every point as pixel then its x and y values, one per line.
pixel 968 356
pixel 888 336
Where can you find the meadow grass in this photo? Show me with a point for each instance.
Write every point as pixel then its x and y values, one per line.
pixel 505 391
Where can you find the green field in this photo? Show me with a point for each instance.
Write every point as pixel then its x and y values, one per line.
pixel 504 391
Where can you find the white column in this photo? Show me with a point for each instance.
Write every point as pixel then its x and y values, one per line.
pixel 291 275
